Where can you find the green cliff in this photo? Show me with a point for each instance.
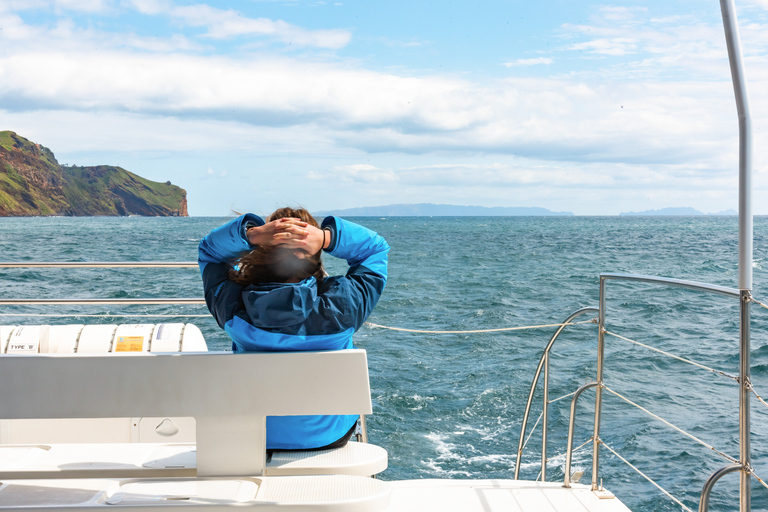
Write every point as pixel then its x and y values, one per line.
pixel 33 183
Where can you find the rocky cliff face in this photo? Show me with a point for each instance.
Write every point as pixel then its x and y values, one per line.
pixel 33 183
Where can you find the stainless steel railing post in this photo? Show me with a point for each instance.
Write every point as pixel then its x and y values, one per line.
pixel 745 488
pixel 599 382
pixel 710 483
pixel 571 428
pixel 544 418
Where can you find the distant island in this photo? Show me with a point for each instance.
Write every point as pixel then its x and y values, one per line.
pixel 441 210
pixel 678 211
pixel 33 183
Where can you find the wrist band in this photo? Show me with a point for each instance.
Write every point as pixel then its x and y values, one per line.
pixel 323 246
pixel 330 236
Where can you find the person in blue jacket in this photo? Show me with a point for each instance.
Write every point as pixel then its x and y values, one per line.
pixel 266 287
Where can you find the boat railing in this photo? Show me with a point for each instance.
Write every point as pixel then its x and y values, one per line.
pixel 101 302
pixel 544 366
pixel 742 463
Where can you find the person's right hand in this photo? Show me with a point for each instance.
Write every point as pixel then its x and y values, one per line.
pixel 287 230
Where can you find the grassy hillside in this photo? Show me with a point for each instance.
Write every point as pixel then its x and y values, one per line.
pixel 10 141
pixel 104 187
pixel 33 183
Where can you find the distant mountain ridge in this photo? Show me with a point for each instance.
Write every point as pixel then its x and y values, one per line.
pixel 441 210
pixel 677 211
pixel 32 183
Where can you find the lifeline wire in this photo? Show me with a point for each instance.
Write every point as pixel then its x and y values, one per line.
pixel 582 445
pixel 117 315
pixel 752 389
pixel 758 302
pixel 560 398
pixel 645 476
pixel 674 356
pixel 585 443
pixel 725 456
pixel 752 471
pixel 532 429
pixel 478 330
pixel 542 414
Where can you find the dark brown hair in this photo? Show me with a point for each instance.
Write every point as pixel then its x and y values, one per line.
pixel 274 264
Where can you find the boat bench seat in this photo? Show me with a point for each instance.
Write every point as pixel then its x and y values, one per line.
pixel 314 493
pixel 228 395
pixel 139 460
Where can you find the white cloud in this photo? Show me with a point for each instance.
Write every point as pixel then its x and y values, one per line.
pixel 356 173
pixel 608 46
pixel 210 173
pixel 528 62
pixel 218 23
pixel 120 132
pixel 222 24
pixel 557 118
pixel 150 6
pixel 618 13
pixel 677 45
pixel 66 36
pixel 82 5
pixel 528 173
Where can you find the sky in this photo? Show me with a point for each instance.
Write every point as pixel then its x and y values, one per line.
pixel 250 105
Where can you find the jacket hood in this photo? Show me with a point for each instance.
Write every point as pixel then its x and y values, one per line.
pixel 278 305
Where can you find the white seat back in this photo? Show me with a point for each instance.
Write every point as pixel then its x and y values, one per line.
pixel 229 395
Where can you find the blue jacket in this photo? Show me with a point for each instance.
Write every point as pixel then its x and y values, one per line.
pixel 295 316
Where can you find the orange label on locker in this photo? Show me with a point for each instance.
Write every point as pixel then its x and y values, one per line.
pixel 129 344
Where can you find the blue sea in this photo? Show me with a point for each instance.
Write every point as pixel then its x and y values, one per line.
pixel 451 405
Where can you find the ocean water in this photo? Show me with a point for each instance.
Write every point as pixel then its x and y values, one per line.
pixel 451 405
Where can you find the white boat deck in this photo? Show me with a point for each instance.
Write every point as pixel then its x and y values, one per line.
pixel 305 493
pixel 497 496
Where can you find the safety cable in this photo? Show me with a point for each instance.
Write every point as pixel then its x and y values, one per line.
pixel 116 315
pixel 724 455
pixel 532 430
pixel 561 398
pixel 752 472
pixel 751 387
pixel 752 299
pixel 371 324
pixel 582 445
pixel 724 374
pixel 58 315
pixel 646 477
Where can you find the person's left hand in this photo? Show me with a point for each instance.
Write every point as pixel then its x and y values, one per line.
pixel 310 244
pixel 278 232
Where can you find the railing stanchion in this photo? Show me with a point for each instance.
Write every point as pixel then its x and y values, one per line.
pixel 745 384
pixel 571 429
pixel 710 483
pixel 544 419
pixel 599 390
